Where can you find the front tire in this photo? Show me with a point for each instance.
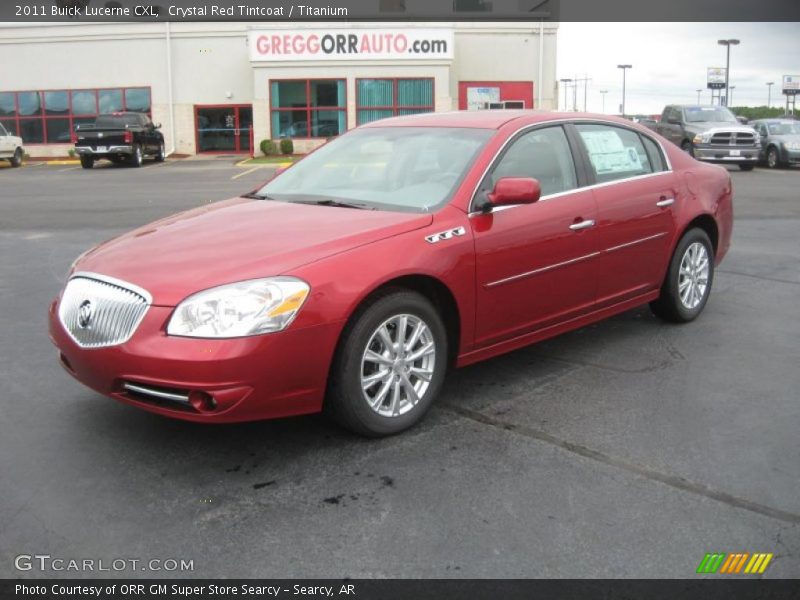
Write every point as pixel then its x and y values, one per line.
pixel 688 147
pixel 87 162
pixel 16 160
pixel 390 365
pixel 773 158
pixel 137 157
pixel 747 166
pixel 688 283
pixel 161 155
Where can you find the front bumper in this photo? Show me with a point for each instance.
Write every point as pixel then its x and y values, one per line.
pixel 725 154
pixel 89 151
pixel 791 157
pixel 260 377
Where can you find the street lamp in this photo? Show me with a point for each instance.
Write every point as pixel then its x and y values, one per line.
pixel 565 82
pixel 698 95
pixel 727 44
pixel 624 71
pixel 769 93
pixel 603 96
pixel 730 101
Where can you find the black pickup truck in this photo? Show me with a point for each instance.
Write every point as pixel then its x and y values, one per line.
pixel 122 137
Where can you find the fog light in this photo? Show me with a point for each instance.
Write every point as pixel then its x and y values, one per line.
pixel 202 401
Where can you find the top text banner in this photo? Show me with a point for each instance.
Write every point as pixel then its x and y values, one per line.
pixel 27 11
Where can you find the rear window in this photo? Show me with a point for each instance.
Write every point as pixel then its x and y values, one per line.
pixel 117 121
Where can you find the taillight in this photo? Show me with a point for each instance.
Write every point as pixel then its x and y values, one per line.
pixel 128 137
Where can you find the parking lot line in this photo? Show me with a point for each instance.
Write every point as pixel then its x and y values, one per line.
pixel 246 172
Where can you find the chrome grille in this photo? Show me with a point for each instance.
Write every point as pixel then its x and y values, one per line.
pixel 729 138
pixel 99 311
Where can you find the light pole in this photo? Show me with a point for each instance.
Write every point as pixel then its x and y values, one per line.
pixel 727 44
pixel 698 95
pixel 730 102
pixel 624 71
pixel 769 93
pixel 603 96
pixel 565 82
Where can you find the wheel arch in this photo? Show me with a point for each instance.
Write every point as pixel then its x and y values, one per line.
pixel 708 224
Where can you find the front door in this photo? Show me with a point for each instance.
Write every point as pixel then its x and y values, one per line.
pixel 535 262
pixel 223 128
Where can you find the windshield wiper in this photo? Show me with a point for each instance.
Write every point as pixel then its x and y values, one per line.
pixel 257 196
pixel 337 203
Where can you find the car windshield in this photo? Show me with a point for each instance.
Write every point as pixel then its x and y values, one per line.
pixel 391 168
pixel 709 114
pixel 787 128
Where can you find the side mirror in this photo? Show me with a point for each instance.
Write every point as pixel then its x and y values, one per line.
pixel 156 125
pixel 513 190
pixel 673 121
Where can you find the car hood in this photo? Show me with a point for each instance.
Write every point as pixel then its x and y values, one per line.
pixel 788 137
pixel 235 240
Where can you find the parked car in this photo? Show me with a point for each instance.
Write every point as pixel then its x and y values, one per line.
pixel 356 278
pixel 649 123
pixel 11 147
pixel 780 141
pixel 121 137
pixel 711 134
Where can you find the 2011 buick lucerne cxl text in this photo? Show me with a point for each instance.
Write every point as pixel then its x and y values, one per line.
pixel 355 279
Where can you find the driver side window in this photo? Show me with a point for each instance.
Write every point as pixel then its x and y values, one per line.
pixel 542 154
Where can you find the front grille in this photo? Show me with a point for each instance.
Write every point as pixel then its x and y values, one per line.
pixel 728 138
pixel 98 311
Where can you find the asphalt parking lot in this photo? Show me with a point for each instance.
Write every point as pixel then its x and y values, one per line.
pixel 626 449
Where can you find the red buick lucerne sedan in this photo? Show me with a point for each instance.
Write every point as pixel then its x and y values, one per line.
pixel 355 279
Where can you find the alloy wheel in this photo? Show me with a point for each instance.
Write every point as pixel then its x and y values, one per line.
pixel 398 365
pixel 693 275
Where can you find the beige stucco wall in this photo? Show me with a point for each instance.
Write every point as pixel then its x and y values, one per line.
pixel 211 65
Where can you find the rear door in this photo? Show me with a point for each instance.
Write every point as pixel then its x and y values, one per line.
pixel 534 262
pixel 6 145
pixel 636 200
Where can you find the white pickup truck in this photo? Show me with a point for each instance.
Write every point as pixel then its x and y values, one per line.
pixel 10 147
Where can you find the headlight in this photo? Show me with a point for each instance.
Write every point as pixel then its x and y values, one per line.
pixel 240 309
pixel 702 138
pixel 792 145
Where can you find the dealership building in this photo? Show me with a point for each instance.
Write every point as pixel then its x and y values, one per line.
pixel 223 87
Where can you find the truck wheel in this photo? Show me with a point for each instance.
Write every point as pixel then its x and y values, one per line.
pixel 773 160
pixel 747 166
pixel 687 147
pixel 161 155
pixel 136 157
pixel 87 162
pixel 16 160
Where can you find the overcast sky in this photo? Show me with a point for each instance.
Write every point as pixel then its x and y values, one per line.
pixel 670 60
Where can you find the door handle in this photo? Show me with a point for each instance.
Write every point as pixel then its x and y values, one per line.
pixel 665 202
pixel 582 225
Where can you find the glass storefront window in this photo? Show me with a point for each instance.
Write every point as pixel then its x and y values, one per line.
pixel 309 108
pixel 50 116
pixel 109 100
pixel 84 102
pixel 137 99
pixel 381 98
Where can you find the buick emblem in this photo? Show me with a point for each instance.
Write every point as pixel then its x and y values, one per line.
pixel 85 313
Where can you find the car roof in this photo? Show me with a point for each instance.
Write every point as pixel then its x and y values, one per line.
pixel 488 119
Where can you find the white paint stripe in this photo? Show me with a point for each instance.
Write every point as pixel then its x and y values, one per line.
pixel 246 172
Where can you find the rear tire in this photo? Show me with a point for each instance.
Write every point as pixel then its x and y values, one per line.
pixel 747 166
pixel 87 162
pixel 688 283
pixel 137 157
pixel 390 365
pixel 161 155
pixel 16 160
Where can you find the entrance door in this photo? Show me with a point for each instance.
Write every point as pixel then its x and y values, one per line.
pixel 223 128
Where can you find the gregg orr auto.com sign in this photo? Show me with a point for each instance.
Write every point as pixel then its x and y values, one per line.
pixel 350 44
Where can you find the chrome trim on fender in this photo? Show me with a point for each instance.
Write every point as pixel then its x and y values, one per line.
pixel 445 235
pixel 572 261
pixel 146 391
pixel 541 270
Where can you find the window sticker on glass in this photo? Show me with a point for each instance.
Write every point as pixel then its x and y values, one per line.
pixel 608 154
